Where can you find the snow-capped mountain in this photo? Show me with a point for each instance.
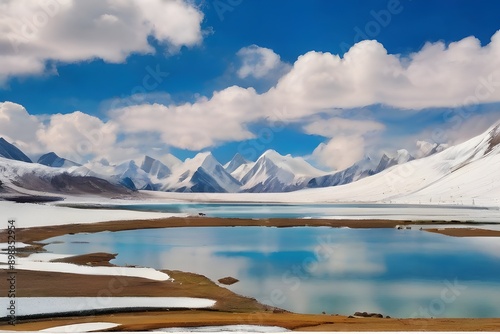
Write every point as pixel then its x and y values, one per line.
pixel 442 175
pixel 155 168
pixel 235 163
pixel 463 174
pixel 149 176
pixel 127 174
pixel 23 178
pixel 357 171
pixel 387 161
pixel 203 173
pixel 130 171
pixel 53 160
pixel 361 169
pixel 238 166
pixel 426 149
pixel 273 172
pixel 9 151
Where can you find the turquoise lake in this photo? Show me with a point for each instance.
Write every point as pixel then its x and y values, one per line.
pixel 279 210
pixel 400 273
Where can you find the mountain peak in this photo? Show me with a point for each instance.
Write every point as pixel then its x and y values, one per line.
pixel 155 167
pixel 202 159
pixel 51 155
pixel 51 159
pixel 203 156
pixel 425 149
pixel 494 137
pixel 271 153
pixel 147 163
pixel 170 160
pixel 202 173
pixel 238 157
pixel 273 156
pixel 9 151
pixel 403 156
pixel 237 161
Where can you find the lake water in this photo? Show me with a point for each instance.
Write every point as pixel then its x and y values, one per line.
pixel 337 210
pixel 401 273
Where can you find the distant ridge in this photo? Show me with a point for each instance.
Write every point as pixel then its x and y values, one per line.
pixel 53 160
pixel 271 173
pixel 9 151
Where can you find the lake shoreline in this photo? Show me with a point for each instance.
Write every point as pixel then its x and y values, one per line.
pixel 231 308
pixel 37 234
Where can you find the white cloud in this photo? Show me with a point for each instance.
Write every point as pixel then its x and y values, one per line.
pixel 321 85
pixel 341 126
pixel 197 125
pixel 436 76
pixel 318 87
pixel 347 140
pixel 18 126
pixel 259 62
pixel 340 152
pixel 33 32
pixel 78 136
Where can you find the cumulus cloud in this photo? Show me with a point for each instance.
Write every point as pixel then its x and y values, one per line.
pixel 259 62
pixel 18 126
pixel 317 91
pixel 78 135
pixel 438 75
pixel 347 140
pixel 320 85
pixel 198 125
pixel 340 152
pixel 34 32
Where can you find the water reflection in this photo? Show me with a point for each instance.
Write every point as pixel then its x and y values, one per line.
pixel 402 273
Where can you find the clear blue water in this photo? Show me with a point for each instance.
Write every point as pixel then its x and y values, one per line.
pixel 401 273
pixel 274 210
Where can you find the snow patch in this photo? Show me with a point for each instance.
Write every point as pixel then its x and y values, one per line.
pixel 81 328
pixel 40 265
pixel 33 215
pixel 52 305
pixel 226 329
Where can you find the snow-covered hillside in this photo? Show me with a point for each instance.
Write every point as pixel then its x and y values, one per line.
pixel 467 174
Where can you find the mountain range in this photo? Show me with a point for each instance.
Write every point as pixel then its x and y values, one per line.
pixel 466 174
pixel 270 173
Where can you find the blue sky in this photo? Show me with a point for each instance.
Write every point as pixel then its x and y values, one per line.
pixel 50 76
